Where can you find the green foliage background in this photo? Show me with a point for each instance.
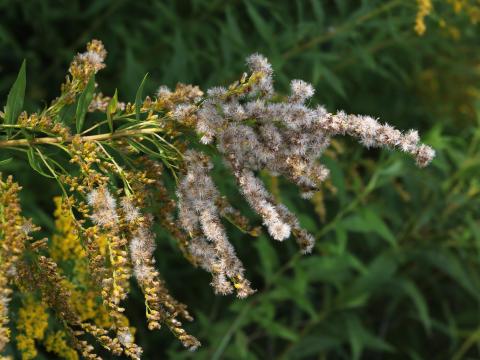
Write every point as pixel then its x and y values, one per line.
pixel 396 270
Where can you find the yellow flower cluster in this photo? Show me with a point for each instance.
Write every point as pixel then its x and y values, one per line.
pixel 66 247
pixel 32 321
pixel 56 343
pixel 424 9
pixel 14 233
pixel 471 8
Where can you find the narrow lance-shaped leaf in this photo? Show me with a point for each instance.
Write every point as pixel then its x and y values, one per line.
pixel 138 98
pixel 83 102
pixel 111 109
pixel 6 161
pixel 15 98
pixel 419 301
pixel 35 163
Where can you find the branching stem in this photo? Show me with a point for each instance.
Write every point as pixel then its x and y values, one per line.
pixel 59 140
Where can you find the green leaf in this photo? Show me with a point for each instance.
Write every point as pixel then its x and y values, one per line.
pixel 416 296
pixel 360 337
pixel 334 81
pixel 268 256
pixel 35 163
pixel 83 102
pixel 241 344
pixel 66 114
pixel 6 161
pixel 309 346
pixel 280 330
pixel 139 99
pixel 259 22
pixel 16 97
pixel 233 29
pixel 378 225
pixel 112 109
pixel 368 221
pixel 451 265
pixel 331 269
pixel 318 11
pixel 341 6
pixel 380 273
pixel 338 178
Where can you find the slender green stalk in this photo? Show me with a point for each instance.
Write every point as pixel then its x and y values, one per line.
pixel 59 140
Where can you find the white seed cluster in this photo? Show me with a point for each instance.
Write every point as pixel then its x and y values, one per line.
pixel 104 207
pixel 94 58
pixel 142 246
pixel 199 216
pixel 130 211
pixel 254 131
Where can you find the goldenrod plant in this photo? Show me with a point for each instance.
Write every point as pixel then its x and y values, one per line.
pixel 112 161
pixel 393 271
pixel 426 8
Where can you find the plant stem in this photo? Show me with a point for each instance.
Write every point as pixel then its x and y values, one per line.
pixel 58 140
pixel 340 29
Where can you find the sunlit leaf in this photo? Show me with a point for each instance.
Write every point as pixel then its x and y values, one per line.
pixel 139 98
pixel 16 97
pixel 83 102
pixel 111 109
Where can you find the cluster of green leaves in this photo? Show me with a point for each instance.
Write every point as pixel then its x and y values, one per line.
pixel 395 273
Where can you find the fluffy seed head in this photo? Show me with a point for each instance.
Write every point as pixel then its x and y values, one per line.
pixel 301 91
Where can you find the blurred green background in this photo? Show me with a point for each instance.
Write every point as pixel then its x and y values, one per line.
pixel 396 270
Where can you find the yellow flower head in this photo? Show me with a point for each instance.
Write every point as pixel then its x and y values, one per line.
pixel 32 322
